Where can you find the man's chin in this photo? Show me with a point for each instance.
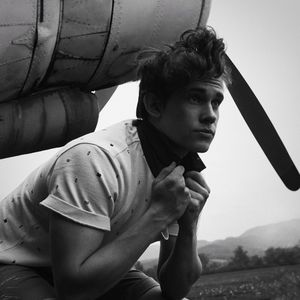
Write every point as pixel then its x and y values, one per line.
pixel 196 147
pixel 202 148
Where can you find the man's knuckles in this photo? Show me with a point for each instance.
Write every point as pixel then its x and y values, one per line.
pixel 197 188
pixel 174 183
pixel 191 183
pixel 205 193
pixel 178 171
pixel 198 177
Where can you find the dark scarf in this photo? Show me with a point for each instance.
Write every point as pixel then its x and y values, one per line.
pixel 158 152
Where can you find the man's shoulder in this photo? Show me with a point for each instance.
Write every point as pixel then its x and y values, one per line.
pixel 114 139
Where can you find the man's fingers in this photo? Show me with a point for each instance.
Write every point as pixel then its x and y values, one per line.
pixel 166 171
pixel 177 172
pixel 198 178
pixel 197 198
pixel 196 187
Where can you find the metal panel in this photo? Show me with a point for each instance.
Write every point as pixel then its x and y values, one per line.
pixel 84 32
pixel 46 120
pixel 137 24
pixel 17 37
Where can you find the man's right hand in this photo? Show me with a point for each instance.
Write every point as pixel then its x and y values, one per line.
pixel 170 196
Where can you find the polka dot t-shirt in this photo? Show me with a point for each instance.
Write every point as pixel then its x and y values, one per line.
pixel 101 180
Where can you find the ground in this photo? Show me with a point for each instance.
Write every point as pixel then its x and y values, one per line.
pixel 273 283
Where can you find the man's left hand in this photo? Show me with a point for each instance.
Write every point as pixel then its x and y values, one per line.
pixel 199 192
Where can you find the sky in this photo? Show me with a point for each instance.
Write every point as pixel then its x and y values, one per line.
pixel 263 40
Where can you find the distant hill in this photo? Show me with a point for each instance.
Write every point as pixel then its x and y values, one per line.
pixel 255 240
pixel 284 234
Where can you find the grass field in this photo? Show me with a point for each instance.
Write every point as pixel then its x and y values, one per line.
pixel 274 283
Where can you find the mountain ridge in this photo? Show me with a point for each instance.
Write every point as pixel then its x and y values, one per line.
pixel 254 240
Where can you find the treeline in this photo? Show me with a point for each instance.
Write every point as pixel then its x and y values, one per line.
pixel 241 261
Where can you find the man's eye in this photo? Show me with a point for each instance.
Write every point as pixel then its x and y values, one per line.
pixel 216 102
pixel 194 99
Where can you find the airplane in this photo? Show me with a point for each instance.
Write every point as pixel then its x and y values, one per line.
pixel 55 54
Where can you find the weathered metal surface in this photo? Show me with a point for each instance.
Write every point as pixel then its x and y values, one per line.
pixel 89 44
pixel 46 120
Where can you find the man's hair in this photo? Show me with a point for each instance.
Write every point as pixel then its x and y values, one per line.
pixel 198 54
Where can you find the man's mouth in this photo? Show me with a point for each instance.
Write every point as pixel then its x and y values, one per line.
pixel 206 132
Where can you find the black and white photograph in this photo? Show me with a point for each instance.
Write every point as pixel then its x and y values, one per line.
pixel 149 150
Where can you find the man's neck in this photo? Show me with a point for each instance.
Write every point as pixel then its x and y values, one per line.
pixel 176 149
pixel 159 152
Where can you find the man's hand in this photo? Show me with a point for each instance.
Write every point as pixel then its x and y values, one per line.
pixel 199 192
pixel 179 263
pixel 170 196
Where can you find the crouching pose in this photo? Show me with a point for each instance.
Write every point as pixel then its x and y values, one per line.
pixel 77 225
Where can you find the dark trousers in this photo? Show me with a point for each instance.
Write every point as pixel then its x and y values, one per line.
pixel 27 283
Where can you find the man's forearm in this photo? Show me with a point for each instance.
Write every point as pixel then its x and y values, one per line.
pixel 182 268
pixel 104 267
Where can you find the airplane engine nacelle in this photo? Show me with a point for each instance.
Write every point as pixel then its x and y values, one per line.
pixel 89 44
pixel 43 120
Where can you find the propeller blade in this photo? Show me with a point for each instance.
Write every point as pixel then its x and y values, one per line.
pixel 104 95
pixel 262 129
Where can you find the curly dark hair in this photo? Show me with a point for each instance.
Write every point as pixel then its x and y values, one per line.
pixel 197 54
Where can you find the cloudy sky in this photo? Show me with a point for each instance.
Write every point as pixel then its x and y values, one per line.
pixel 263 39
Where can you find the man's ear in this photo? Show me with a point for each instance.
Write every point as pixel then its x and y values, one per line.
pixel 153 105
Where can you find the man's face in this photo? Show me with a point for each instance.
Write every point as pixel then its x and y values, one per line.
pixel 190 115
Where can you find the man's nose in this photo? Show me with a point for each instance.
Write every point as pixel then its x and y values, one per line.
pixel 208 114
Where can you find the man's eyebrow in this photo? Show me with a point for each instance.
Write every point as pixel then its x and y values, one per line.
pixel 197 89
pixel 201 90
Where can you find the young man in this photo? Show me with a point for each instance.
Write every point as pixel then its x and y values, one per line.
pixel 88 214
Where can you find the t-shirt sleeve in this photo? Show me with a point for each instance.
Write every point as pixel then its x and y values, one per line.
pixel 172 229
pixel 83 186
